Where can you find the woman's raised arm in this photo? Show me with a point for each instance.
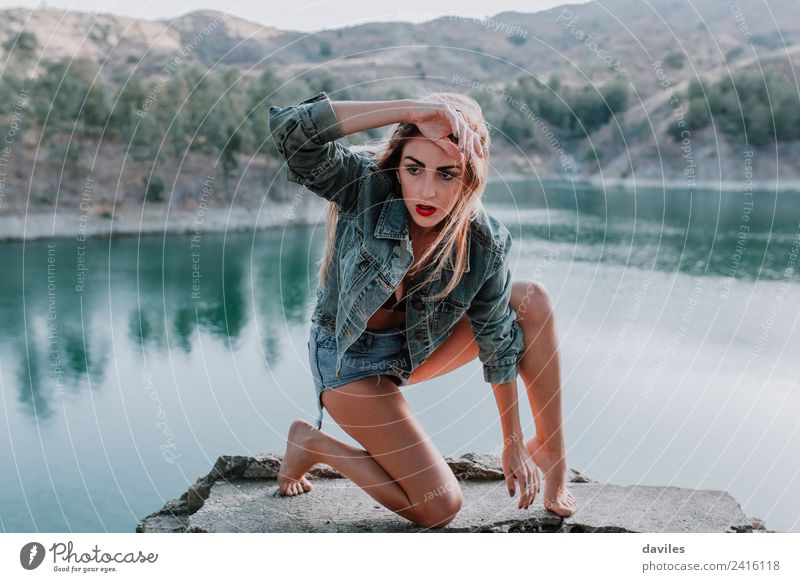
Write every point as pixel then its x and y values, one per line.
pixel 436 121
pixel 306 135
pixel 356 116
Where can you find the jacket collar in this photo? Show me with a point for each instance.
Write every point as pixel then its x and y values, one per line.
pixel 393 223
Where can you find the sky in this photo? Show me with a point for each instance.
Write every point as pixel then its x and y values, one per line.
pixel 302 15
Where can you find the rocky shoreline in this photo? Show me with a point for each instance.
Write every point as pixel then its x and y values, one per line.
pixel 240 494
pixel 160 219
pixel 72 224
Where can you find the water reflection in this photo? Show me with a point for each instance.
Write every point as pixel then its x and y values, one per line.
pixel 746 235
pixel 168 290
pixel 217 323
pixel 183 285
pixel 165 291
pixel 47 324
pixel 284 282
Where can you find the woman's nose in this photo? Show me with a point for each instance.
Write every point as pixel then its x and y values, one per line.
pixel 429 188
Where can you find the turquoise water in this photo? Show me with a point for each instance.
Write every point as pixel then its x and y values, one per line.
pixel 127 366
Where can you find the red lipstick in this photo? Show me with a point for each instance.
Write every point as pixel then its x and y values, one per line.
pixel 425 210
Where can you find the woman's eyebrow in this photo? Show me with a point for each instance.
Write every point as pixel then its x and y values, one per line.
pixel 423 165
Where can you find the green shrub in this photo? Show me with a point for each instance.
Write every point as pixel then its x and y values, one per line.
pixel 154 189
pixel 675 59
pixel 748 105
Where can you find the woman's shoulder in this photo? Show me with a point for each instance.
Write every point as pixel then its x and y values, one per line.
pixel 369 156
pixel 490 232
pixel 367 152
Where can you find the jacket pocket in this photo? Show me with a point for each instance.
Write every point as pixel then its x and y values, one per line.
pixel 357 271
pixel 446 313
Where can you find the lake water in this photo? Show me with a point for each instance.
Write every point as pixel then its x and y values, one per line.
pixel 128 366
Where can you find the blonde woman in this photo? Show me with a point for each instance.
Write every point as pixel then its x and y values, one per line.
pixel 415 283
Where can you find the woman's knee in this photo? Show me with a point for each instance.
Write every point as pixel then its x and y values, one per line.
pixel 532 303
pixel 439 506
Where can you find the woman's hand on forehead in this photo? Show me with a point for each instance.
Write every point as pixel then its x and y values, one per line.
pixel 439 121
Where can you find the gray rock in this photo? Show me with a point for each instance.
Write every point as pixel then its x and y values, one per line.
pixel 240 494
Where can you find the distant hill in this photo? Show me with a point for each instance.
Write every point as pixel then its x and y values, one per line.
pixel 634 32
pixel 651 48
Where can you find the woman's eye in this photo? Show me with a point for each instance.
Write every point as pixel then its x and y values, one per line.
pixel 414 171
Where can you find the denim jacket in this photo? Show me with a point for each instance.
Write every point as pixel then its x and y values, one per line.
pixel 373 251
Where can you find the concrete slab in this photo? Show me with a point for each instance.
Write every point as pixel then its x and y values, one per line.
pixel 240 494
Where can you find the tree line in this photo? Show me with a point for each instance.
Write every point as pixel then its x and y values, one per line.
pixel 223 112
pixel 516 108
pixel 759 107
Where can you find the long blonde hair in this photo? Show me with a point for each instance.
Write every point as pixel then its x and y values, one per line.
pixel 455 226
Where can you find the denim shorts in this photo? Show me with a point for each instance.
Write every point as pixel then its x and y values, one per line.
pixel 376 352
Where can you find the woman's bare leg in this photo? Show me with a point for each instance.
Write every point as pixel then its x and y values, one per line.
pixel 307 446
pixel 540 371
pixel 401 468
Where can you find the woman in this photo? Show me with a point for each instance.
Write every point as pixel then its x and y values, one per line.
pixel 415 283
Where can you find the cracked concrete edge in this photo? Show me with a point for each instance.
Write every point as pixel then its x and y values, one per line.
pixel 174 516
pixel 532 526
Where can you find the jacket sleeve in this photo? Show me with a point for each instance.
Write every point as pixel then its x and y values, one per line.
pixel 305 136
pixel 498 334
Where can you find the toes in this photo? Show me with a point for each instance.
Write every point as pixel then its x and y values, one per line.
pixel 567 499
pixel 295 487
pixel 562 503
pixel 566 496
pixel 567 509
pixel 560 510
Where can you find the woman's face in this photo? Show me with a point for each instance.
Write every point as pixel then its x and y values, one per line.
pixel 430 180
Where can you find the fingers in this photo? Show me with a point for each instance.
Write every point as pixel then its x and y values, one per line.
pixel 449 147
pixel 524 498
pixel 527 487
pixel 531 489
pixel 464 137
pixel 510 484
pixel 530 484
pixel 476 145
pixel 469 143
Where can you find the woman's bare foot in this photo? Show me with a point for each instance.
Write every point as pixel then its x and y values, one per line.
pixel 557 497
pixel 298 459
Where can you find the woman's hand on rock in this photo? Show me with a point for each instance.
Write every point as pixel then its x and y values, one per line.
pixel 518 465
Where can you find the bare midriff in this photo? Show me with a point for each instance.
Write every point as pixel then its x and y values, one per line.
pixel 384 318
